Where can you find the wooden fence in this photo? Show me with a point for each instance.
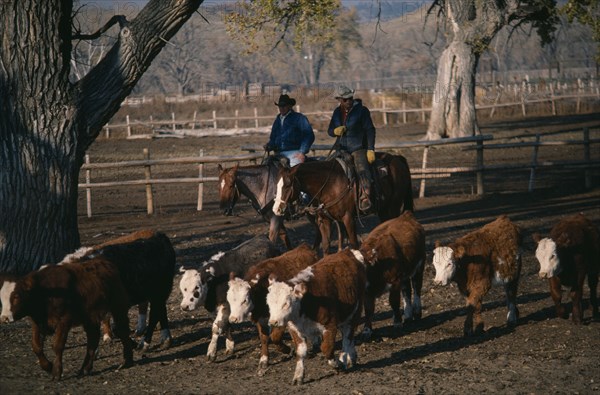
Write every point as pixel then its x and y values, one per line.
pixel 479 168
pixel 387 108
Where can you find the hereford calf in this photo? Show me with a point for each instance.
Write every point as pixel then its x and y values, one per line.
pixel 491 254
pixel 321 299
pixel 394 254
pixel 247 297
pixel 571 253
pixel 59 297
pixel 208 286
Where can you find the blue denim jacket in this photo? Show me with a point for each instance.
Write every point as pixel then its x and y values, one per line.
pixel 296 133
pixel 360 133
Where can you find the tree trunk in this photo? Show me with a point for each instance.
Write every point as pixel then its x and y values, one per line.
pixel 47 122
pixel 453 106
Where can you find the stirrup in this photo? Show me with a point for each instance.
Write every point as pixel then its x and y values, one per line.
pixel 364 204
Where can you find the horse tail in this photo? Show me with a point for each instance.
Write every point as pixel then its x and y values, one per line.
pixel 402 182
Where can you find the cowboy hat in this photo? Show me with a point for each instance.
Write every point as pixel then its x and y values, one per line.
pixel 343 92
pixel 285 100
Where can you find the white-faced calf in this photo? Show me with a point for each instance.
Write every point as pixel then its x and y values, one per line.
pixel 491 254
pixel 571 253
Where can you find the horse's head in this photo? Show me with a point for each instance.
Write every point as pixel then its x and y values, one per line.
pixel 228 192
pixel 285 191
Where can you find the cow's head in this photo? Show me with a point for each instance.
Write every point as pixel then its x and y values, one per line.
pixel 6 290
pixel 228 192
pixel 444 262
pixel 283 301
pixel 193 292
pixel 285 189
pixel 240 302
pixel 20 299
pixel 547 257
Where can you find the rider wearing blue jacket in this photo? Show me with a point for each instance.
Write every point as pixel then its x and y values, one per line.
pixel 291 133
pixel 351 123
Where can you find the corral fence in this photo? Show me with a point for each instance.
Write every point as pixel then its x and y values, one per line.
pixel 391 107
pixel 587 163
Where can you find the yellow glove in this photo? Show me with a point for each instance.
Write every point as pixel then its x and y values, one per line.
pixel 340 130
pixel 371 156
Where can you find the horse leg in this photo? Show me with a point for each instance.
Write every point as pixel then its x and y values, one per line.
pixel 325 229
pixel 350 225
pixel 318 239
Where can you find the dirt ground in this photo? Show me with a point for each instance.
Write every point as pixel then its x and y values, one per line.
pixel 542 355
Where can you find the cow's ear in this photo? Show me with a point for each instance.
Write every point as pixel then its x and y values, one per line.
pixel 536 237
pixel 232 275
pixel 437 244
pixel 272 278
pixel 299 290
pixel 182 269
pixel 459 252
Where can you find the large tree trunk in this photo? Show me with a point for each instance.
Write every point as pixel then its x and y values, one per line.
pixel 47 122
pixel 453 105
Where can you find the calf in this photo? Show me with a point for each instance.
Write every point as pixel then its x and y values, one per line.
pixel 570 253
pixel 322 298
pixel 59 297
pixel 247 297
pixel 394 254
pixel 208 286
pixel 491 254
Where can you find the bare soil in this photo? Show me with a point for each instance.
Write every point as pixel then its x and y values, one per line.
pixel 543 354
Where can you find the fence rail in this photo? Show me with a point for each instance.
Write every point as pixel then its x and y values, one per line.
pixel 255 152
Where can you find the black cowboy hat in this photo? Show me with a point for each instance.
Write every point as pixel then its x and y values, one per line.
pixel 285 100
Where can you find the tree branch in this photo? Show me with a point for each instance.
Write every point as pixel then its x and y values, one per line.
pixel 121 19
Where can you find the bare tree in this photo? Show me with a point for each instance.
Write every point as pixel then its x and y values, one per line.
pixel 472 25
pixel 48 122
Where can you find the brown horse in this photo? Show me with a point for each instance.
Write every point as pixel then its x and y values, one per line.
pixel 334 195
pixel 256 182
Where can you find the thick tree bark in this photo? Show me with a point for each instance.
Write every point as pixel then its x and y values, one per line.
pixel 47 123
pixel 453 106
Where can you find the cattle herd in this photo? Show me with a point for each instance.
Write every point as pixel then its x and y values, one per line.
pixel 311 298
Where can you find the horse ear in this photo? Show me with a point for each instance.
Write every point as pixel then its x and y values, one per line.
pixel 219 167
pixel 293 170
pixel 236 166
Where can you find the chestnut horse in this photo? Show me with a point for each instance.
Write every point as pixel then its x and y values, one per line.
pixel 334 195
pixel 256 182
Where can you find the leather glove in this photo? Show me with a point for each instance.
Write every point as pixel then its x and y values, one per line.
pixel 339 131
pixel 371 156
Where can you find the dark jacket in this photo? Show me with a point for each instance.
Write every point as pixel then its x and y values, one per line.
pixel 296 133
pixel 360 133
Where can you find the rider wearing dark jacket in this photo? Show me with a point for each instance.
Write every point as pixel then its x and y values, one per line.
pixel 351 123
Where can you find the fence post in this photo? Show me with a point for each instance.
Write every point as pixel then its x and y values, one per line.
pixel 479 173
pixel 149 197
pixel 423 166
pixel 215 119
pixel 587 157
pixel 552 98
pixel 194 120
pixel 255 117
pixel 173 120
pixel 237 114
pixel 200 184
pixel 403 111
pixel 128 126
pixel 536 148
pixel 107 131
pixel 422 110
pixel 88 190
pixel 383 113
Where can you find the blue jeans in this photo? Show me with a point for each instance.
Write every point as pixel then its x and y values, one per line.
pixel 292 156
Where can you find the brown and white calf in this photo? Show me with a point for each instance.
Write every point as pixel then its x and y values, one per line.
pixel 489 255
pixel 247 297
pixel 394 254
pixel 318 301
pixel 59 297
pixel 208 286
pixel 571 253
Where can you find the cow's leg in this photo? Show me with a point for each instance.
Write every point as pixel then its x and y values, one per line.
pixel 263 335
pixel 348 355
pixel 106 329
pixel 576 294
pixel 417 285
pixel 165 333
pixel 593 285
pixel 406 295
pixel 60 340
pixel 510 289
pixel 93 339
pixel 301 351
pixel 473 322
pixel 37 345
pixel 394 299
pixel 119 313
pixel 220 326
pixel 367 331
pixel 140 328
pixel 328 344
pixel 556 294
pixel 277 339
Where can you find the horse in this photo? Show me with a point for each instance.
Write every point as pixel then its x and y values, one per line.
pixel 334 195
pixel 256 183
